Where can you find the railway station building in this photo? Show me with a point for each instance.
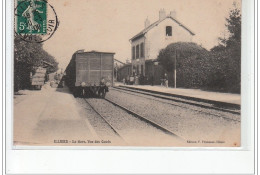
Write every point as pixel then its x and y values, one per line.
pixel 147 44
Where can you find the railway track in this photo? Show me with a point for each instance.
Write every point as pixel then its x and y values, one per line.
pixel 136 115
pixel 103 118
pixel 143 118
pixel 148 95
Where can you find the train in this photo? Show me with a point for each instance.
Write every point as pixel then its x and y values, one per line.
pixel 90 73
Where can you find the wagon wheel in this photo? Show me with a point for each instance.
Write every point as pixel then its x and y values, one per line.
pixel 103 93
pixel 83 93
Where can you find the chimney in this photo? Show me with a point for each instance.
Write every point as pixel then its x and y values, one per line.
pixel 162 14
pixel 173 14
pixel 146 23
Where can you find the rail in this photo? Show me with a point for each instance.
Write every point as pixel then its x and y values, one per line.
pixel 167 131
pixel 136 92
pixel 109 124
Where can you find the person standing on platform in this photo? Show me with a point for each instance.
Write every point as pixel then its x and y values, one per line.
pixel 166 80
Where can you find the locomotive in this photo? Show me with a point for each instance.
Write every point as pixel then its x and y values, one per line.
pixel 90 73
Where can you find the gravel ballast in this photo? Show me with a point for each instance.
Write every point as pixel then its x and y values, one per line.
pixel 189 123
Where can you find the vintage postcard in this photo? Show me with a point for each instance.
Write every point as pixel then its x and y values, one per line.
pixel 146 73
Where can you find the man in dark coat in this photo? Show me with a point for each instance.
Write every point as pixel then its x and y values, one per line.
pixel 166 80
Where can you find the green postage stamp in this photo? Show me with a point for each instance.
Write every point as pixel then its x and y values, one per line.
pixel 31 17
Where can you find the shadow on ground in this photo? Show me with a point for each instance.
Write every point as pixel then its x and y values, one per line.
pixel 64 89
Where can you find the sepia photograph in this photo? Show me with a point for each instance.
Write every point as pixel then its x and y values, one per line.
pixel 127 73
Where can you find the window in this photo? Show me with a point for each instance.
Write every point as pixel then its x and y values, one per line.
pixel 133 52
pixel 137 51
pixel 142 50
pixel 142 69
pixel 168 30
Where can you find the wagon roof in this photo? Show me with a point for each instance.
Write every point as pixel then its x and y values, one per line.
pixel 155 24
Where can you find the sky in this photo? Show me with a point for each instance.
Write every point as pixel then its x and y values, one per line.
pixel 107 25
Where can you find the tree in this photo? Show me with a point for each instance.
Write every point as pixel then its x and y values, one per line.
pixel 182 49
pixel 229 51
pixel 188 57
pixel 26 56
pixel 234 27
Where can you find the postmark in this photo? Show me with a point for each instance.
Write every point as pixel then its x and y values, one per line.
pixel 35 20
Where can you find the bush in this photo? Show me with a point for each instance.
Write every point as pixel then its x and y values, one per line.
pixel 198 68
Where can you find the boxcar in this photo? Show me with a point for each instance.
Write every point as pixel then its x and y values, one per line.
pixel 90 73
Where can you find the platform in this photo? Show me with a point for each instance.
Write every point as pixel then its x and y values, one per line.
pixel 195 94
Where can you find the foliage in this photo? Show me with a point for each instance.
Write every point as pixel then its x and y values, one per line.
pixel 28 55
pixel 189 60
pixel 234 28
pixel 181 50
pixel 230 52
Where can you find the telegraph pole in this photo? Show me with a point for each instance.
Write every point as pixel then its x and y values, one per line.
pixel 175 59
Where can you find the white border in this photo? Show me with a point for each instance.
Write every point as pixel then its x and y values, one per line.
pixel 2 77
pixel 135 160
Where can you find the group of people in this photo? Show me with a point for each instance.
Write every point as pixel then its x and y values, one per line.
pixel 128 80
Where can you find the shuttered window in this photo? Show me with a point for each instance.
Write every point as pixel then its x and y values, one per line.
pixel 137 51
pixel 142 50
pixel 133 52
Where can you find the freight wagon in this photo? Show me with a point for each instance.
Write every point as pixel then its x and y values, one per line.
pixel 90 73
pixel 38 77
